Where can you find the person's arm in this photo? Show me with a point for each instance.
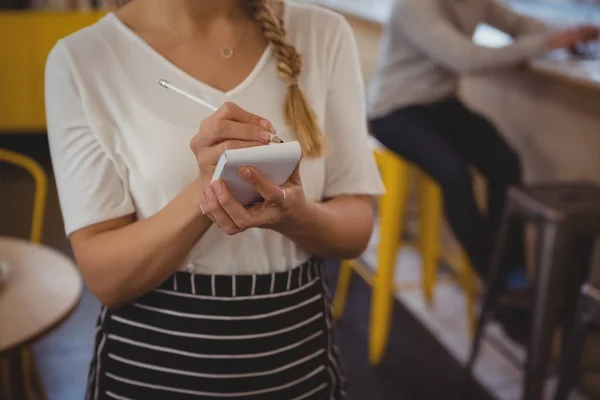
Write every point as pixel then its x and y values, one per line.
pixel 338 228
pixel 122 259
pixel 424 24
pixel 341 226
pixel 512 23
pixel 119 258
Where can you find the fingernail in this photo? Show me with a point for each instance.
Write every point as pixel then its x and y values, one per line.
pixel 210 194
pixel 245 172
pixel 265 124
pixel 268 126
pixel 265 136
pixel 218 187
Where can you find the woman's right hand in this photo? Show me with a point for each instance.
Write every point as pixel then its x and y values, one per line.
pixel 230 127
pixel 568 38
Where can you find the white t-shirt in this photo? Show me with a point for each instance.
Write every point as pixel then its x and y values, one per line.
pixel 120 142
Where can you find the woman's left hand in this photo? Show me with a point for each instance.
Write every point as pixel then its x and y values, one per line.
pixel 282 204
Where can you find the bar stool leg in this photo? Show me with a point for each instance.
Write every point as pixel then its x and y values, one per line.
pixel 430 217
pixel 5 379
pixel 26 362
pixel 18 390
pixel 342 289
pixel 553 258
pixel 469 284
pixel 574 349
pixel 492 291
pixel 575 278
pixel 391 212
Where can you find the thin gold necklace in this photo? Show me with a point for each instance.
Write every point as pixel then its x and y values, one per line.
pixel 226 52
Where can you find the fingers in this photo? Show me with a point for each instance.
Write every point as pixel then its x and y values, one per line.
pixel 585 33
pixel 238 214
pixel 231 122
pixel 268 190
pixel 213 153
pixel 213 210
pixel 219 130
pixel 588 33
pixel 233 112
pixel 569 38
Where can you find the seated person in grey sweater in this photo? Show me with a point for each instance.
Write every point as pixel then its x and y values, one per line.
pixel 414 110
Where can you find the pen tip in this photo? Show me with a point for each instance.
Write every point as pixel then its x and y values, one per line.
pixel 163 83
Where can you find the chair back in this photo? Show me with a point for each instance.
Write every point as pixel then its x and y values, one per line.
pixel 41 187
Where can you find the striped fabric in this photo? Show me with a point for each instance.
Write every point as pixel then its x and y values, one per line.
pixel 221 337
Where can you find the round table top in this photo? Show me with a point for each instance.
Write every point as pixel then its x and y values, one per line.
pixel 43 288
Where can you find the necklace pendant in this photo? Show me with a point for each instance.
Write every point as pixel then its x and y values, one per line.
pixel 227 52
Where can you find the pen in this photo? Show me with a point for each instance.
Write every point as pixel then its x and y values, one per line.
pixel 168 85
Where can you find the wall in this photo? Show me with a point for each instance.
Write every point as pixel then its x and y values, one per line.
pixel 367 38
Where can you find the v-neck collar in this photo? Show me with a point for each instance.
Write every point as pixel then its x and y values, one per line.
pixel 112 18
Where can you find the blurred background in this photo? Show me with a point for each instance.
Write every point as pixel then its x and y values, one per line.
pixel 549 111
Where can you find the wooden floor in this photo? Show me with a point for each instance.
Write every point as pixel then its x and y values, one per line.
pixel 416 367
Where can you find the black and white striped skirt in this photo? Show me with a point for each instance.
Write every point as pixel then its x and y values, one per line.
pixel 221 337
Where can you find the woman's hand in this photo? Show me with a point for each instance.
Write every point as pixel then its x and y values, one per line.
pixel 281 206
pixel 230 127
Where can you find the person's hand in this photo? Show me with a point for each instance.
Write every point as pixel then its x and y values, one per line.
pixel 282 204
pixel 230 127
pixel 568 38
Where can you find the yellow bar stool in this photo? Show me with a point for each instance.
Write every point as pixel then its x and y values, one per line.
pixel 396 174
pixel 30 373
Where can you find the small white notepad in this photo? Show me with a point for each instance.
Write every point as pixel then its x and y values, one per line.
pixel 275 161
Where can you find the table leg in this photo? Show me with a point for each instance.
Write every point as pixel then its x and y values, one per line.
pixel 34 387
pixel 17 384
pixel 20 378
pixel 37 385
pixel 554 249
pixel 5 384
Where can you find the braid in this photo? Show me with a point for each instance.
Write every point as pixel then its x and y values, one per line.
pixel 299 115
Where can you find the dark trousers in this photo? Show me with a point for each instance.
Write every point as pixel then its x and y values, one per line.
pixel 14 4
pixel 445 139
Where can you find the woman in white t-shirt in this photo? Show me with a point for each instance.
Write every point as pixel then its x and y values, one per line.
pixel 230 303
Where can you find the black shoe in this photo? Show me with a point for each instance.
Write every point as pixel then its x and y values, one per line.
pixel 515 322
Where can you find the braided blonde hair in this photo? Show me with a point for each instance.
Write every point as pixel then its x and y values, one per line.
pixel 299 114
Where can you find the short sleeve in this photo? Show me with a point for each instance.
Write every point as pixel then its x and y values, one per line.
pixel 90 189
pixel 350 164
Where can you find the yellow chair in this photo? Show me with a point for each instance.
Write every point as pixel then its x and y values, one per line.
pixel 29 371
pixel 41 188
pixel 396 175
pixel 26 38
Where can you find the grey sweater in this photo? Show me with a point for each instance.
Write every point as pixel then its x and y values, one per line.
pixel 427 45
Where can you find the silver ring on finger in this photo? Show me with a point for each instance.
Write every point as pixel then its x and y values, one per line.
pixel 280 202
